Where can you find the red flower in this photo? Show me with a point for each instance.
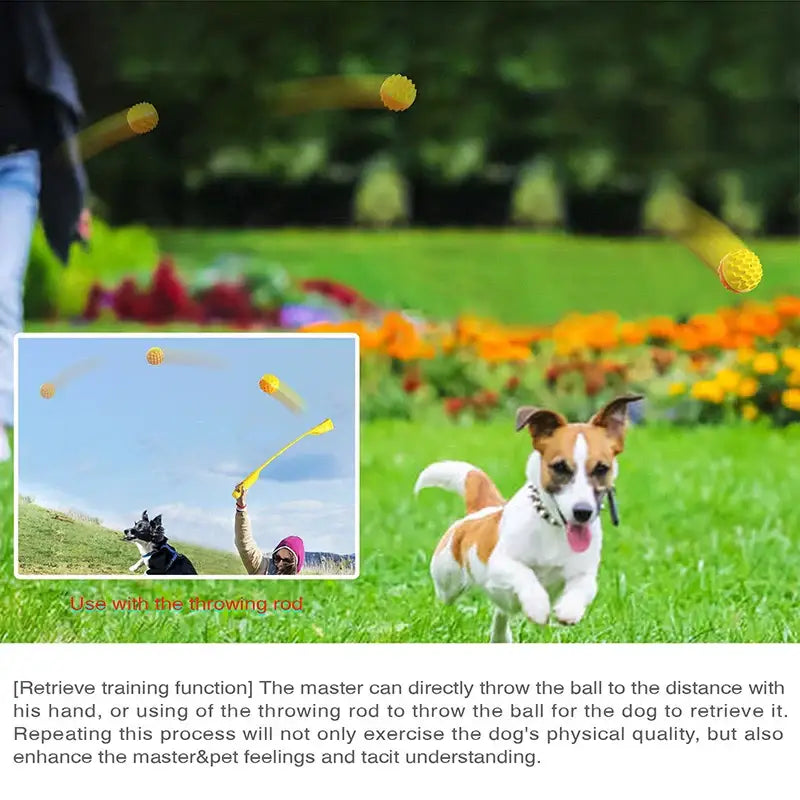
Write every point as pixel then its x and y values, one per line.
pixel 412 381
pixel 662 359
pixel 129 303
pixel 512 384
pixel 594 378
pixel 228 302
pixel 454 405
pixel 169 299
pixel 485 398
pixel 94 302
pixel 339 293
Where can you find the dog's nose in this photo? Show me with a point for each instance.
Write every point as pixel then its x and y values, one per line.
pixel 582 512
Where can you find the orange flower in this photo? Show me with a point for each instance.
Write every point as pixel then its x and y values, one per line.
pixel 709 329
pixel 662 327
pixel 749 412
pixel 765 364
pixel 632 333
pixel 791 357
pixel 676 389
pixel 791 399
pixel 745 355
pixel 728 379
pixel 747 387
pixel 710 391
pixel 793 379
pixel 688 339
pixel 788 306
pixel 601 331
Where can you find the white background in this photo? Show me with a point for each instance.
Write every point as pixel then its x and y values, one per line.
pixel 597 770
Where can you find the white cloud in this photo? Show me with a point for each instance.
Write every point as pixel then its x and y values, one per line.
pixel 300 505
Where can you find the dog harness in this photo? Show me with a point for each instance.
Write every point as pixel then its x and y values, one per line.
pixel 170 548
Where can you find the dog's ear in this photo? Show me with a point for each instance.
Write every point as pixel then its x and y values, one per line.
pixel 144 516
pixel 156 522
pixel 540 422
pixel 614 418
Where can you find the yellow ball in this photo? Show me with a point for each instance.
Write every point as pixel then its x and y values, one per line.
pixel 47 390
pixel 155 356
pixel 142 118
pixel 740 271
pixel 269 384
pixel 398 93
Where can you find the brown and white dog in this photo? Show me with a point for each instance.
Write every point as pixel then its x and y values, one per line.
pixel 548 535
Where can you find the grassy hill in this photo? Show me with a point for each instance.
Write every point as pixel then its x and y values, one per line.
pixel 56 543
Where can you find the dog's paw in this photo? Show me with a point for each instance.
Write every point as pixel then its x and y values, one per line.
pixel 569 611
pixel 133 568
pixel 538 613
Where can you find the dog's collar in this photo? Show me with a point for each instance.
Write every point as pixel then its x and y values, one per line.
pixel 542 510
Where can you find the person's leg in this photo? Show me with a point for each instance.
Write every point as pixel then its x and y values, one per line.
pixel 19 204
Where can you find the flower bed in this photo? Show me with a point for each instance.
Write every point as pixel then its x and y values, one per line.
pixel 741 363
pixel 264 298
pixel 738 363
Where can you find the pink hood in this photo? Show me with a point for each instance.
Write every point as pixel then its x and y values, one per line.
pixel 295 544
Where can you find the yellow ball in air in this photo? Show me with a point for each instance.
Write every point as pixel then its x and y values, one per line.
pixel 155 356
pixel 740 271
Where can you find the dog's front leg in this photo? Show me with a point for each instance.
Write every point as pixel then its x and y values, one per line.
pixel 513 586
pixel 579 591
pixel 139 563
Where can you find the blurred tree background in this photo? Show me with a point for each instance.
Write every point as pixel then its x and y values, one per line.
pixel 538 113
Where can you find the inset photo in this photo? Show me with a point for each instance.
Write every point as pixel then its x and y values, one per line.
pixel 141 456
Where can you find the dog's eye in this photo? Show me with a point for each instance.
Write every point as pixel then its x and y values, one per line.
pixel 561 468
pixel 601 470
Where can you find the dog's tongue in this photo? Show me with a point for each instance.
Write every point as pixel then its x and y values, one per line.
pixel 579 536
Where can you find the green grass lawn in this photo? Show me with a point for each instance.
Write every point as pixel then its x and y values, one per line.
pixel 708 551
pixel 513 276
pixel 54 543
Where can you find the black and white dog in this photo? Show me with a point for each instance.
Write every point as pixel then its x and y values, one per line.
pixel 160 557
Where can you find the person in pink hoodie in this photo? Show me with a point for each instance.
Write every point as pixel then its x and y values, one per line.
pixel 287 558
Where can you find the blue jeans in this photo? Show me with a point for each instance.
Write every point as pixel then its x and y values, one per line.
pixel 19 206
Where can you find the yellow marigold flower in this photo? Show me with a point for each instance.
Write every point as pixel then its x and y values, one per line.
pixel 794 378
pixel 745 355
pixel 749 412
pixel 710 391
pixel 747 387
pixel 791 399
pixel 728 379
pixel 791 357
pixel 766 364
pixel 676 388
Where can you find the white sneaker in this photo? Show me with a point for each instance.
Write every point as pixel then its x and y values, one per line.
pixel 5 448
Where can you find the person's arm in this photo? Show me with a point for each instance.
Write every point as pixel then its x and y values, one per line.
pixel 249 551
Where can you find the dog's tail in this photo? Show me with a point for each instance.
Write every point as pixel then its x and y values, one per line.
pixel 473 484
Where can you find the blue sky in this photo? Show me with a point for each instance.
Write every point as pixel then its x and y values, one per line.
pixel 175 439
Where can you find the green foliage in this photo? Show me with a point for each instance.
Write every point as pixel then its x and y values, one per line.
pixel 665 205
pixel 382 196
pixel 52 289
pixel 616 92
pixel 537 200
pixel 743 215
